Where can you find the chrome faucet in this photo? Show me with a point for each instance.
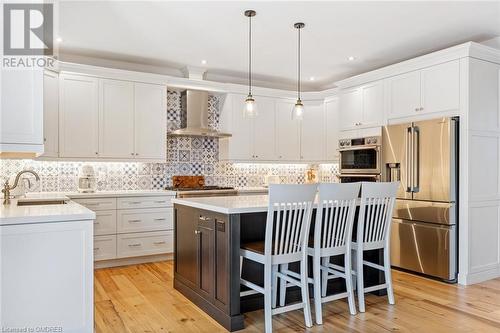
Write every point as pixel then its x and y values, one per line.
pixel 7 188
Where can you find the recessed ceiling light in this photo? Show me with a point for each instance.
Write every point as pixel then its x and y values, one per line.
pixel 59 39
pixel 203 62
pixel 312 78
pixel 351 58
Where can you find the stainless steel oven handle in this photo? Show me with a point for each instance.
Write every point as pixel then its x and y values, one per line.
pixel 359 175
pixel 359 148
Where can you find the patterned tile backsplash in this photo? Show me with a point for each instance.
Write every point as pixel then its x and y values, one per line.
pixel 185 156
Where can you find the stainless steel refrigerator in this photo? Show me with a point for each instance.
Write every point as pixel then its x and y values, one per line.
pixel 423 156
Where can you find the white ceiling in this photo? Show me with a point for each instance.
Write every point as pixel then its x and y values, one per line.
pixel 175 34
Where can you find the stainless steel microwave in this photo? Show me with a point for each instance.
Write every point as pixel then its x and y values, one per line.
pixel 360 156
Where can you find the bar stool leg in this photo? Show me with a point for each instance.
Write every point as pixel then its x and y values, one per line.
pixel 359 278
pixel 274 288
pixel 317 289
pixel 305 292
pixel 349 287
pixel 283 267
pixel 324 276
pixel 388 275
pixel 268 320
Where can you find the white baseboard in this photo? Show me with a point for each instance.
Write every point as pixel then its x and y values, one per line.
pixel 478 277
pixel 132 261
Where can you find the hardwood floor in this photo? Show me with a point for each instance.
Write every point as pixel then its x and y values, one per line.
pixel 141 298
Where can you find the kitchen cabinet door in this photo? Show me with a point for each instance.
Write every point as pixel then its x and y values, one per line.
pixel 50 114
pixel 312 138
pixel 288 132
pixel 78 116
pixel 373 104
pixel 21 125
pixel 206 256
pixel 150 116
pixel 440 86
pixel 264 130
pixel 332 129
pixel 186 245
pixel 116 119
pixel 240 143
pixel 351 108
pixel 403 95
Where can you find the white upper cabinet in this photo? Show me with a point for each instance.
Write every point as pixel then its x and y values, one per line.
pixel 116 119
pixel 373 104
pixel 404 94
pixel 239 145
pixel 21 118
pixel 312 139
pixel 78 116
pixel 440 87
pixel 362 107
pixel 263 130
pixel 51 114
pixel 351 106
pixel 111 119
pixel 150 113
pixel 432 89
pixel 332 129
pixel 287 132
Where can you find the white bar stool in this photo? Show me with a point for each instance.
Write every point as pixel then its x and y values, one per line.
pixel 332 237
pixel 374 229
pixel 287 227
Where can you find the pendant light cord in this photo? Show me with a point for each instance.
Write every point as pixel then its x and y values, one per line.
pixel 298 66
pixel 250 55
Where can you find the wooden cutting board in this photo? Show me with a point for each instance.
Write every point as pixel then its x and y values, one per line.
pixel 188 181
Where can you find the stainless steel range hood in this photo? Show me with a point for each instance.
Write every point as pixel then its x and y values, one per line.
pixel 194 116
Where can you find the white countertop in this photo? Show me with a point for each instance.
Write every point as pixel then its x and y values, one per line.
pixel 227 204
pixel 14 214
pixel 108 194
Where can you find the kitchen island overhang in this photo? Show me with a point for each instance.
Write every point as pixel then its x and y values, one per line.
pixel 208 232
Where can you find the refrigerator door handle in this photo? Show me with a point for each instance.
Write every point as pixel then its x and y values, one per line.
pixel 416 159
pixel 409 155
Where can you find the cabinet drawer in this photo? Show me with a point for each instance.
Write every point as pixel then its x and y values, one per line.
pixel 105 222
pixel 96 204
pixel 138 220
pixel 104 247
pixel 144 202
pixel 145 243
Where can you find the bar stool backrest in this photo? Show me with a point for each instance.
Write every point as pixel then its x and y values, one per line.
pixel 288 218
pixel 335 215
pixel 375 214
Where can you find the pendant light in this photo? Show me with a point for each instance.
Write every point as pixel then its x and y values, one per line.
pixel 250 109
pixel 298 108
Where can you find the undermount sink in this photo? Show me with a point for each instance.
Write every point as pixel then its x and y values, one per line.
pixel 41 202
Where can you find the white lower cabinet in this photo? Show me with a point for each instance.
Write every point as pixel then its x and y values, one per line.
pixel 104 247
pixel 139 220
pixel 46 277
pixel 146 243
pixel 131 226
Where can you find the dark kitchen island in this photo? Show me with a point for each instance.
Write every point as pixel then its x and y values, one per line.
pixel 208 234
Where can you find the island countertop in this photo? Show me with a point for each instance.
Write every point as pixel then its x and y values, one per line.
pixel 227 204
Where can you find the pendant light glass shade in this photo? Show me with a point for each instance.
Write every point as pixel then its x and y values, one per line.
pixel 298 108
pixel 250 108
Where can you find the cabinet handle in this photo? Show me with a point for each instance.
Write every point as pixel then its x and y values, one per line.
pixel 96 248
pixel 197 232
pixel 204 218
pixel 136 154
pixel 134 221
pixel 159 243
pixel 132 154
pixel 160 201
pixel 95 222
pixel 135 245
pixel 421 109
pixel 161 219
pixel 44 139
pixel 134 202
pixel 97 153
pixel 416 109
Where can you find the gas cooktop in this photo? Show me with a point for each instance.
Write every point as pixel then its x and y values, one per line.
pixel 199 188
